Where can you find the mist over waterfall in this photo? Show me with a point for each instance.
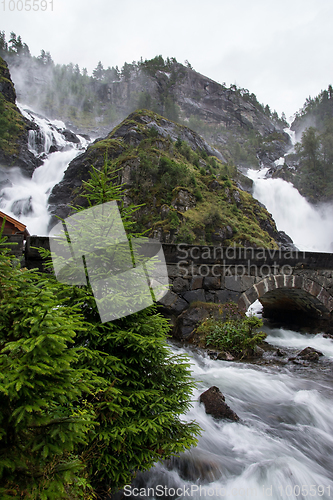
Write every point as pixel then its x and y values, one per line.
pixel 26 199
pixel 311 228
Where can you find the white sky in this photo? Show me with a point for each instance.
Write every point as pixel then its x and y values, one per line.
pixel 279 49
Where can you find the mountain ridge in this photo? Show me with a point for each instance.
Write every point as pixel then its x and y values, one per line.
pixel 185 191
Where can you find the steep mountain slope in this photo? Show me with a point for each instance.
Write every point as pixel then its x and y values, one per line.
pixel 245 132
pixel 186 189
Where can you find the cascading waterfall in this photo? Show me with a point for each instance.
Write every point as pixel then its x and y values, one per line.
pixel 310 227
pixel 27 199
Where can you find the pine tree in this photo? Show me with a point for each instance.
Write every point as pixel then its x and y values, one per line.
pixel 43 418
pixel 142 423
pixel 83 405
pixel 98 72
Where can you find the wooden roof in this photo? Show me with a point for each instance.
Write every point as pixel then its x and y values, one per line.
pixel 21 227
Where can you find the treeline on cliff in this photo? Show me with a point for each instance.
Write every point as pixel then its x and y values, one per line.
pixel 68 92
pixel 99 102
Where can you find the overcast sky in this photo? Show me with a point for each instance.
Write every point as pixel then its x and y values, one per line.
pixel 279 49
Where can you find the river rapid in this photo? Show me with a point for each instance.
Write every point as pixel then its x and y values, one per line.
pixel 282 446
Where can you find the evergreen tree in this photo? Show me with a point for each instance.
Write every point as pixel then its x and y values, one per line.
pixel 42 416
pixel 83 405
pixel 142 424
pixel 98 72
pixel 3 44
pixel 309 149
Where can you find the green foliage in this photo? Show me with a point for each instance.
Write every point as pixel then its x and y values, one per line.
pixel 317 110
pixel 11 126
pixel 314 153
pixel 236 334
pixel 153 132
pixel 314 175
pixel 309 149
pixel 159 169
pixel 173 219
pixel 44 417
pixel 142 423
pixel 198 194
pixel 157 63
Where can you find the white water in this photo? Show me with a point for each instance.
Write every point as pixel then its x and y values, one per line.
pixel 310 228
pixel 27 199
pixel 283 440
pixel 281 337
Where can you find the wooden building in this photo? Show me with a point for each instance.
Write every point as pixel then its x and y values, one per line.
pixel 12 226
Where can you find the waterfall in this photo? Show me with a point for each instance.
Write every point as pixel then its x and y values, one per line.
pixel 27 199
pixel 310 227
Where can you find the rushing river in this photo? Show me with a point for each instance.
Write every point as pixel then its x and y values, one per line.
pixel 282 446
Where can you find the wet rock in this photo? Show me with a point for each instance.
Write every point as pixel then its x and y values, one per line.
pixel 212 354
pixel 188 321
pixel 309 354
pixel 195 467
pixel 279 353
pixel 216 406
pixel 284 241
pixel 258 352
pixel 5 183
pixel 22 207
pixel 53 149
pixel 70 136
pixel 225 356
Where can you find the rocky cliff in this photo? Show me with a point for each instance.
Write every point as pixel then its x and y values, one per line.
pixel 14 128
pixel 244 131
pixel 187 190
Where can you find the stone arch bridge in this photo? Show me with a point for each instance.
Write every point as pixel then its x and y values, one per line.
pixel 295 283
pixel 289 284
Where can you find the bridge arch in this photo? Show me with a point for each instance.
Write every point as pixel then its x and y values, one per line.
pixel 292 293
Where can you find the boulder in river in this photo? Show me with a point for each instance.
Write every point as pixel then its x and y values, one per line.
pixel 310 354
pixel 215 404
